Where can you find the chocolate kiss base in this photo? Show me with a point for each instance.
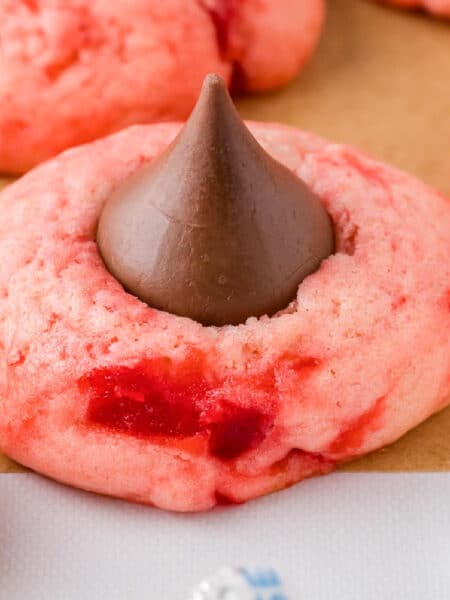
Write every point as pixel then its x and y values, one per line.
pixel 214 229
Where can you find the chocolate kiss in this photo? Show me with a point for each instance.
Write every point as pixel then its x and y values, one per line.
pixel 214 229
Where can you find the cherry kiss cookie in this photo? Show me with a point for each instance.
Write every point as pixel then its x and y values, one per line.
pixel 74 70
pixel 196 316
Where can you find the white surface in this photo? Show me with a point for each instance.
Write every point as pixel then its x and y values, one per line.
pixel 342 537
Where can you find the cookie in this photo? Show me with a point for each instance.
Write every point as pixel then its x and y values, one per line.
pixel 73 71
pixel 436 7
pixel 104 392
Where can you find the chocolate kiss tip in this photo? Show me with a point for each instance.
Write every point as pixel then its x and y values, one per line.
pixel 214 83
pixel 214 229
pixel 213 80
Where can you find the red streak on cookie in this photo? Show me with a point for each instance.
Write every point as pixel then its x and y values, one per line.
pixel 220 13
pixel 156 398
pixel 398 302
pixel 224 500
pixel 239 430
pixel 364 166
pixel 447 298
pixel 305 364
pixel 351 438
pixel 130 401
pixel 32 5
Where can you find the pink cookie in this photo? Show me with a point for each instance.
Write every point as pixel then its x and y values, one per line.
pixel 74 70
pixel 437 7
pixel 100 391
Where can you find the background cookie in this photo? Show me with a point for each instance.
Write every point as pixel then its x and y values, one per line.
pixel 74 70
pixel 361 358
pixel 437 7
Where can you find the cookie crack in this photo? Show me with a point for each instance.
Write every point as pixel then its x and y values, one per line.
pixel 222 13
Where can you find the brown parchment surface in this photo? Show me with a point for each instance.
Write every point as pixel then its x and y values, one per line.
pixel 381 81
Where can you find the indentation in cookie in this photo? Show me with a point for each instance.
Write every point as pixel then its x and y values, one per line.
pixel 346 232
pixel 296 454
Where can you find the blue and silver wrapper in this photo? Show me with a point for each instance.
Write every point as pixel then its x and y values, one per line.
pixel 241 584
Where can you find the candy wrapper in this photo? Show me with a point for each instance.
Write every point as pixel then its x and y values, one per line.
pixel 241 584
